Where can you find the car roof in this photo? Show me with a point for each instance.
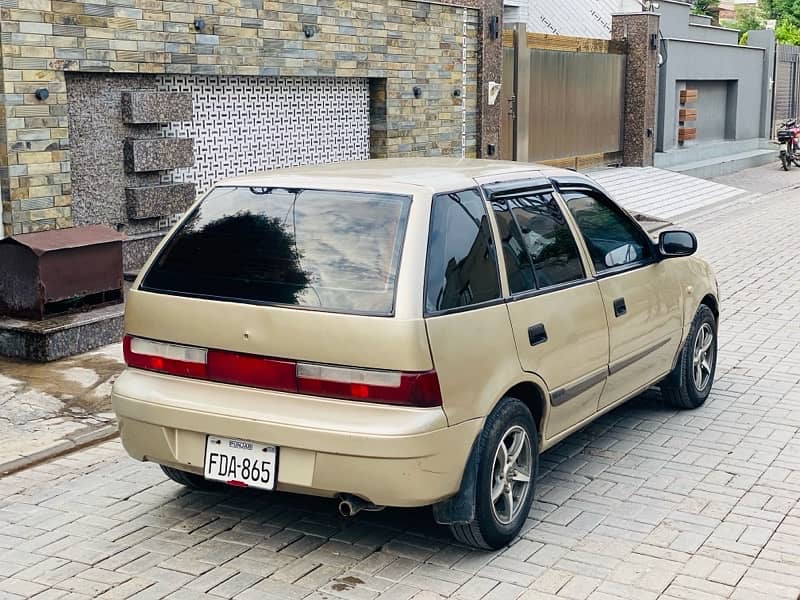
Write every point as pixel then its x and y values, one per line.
pixel 393 174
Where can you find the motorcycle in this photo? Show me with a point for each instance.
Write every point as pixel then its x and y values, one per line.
pixel 789 134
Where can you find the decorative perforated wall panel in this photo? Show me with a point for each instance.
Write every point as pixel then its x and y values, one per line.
pixel 249 124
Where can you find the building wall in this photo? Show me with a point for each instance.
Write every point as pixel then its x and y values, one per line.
pixel 398 43
pixel 731 81
pixel 235 124
pixel 582 18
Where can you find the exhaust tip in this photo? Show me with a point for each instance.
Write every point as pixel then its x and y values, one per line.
pixel 346 508
pixel 350 506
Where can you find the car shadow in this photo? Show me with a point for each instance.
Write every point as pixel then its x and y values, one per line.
pixel 315 516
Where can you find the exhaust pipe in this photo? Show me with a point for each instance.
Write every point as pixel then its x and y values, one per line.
pixel 350 506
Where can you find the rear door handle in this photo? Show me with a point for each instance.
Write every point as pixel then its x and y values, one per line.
pixel 537 334
pixel 619 307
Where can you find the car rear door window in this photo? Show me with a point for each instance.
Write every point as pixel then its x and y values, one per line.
pixel 613 239
pixel 462 266
pixel 539 248
pixel 328 250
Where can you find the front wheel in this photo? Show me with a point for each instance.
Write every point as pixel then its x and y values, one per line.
pixel 785 162
pixel 690 382
pixel 509 460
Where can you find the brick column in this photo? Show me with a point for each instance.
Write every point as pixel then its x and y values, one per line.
pixel 639 135
pixel 491 70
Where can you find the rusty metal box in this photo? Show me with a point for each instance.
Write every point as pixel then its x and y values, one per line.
pixel 54 272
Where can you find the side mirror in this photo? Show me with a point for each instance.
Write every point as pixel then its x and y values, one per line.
pixel 677 243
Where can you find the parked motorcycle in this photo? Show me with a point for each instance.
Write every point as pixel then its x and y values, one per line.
pixel 789 134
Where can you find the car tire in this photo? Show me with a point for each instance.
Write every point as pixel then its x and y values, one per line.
pixel 186 479
pixel 690 382
pixel 498 522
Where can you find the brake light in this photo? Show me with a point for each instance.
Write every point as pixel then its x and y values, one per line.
pixel 252 371
pixel 184 361
pixel 365 385
pixel 383 387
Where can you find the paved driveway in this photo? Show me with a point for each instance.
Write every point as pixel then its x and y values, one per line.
pixel 645 503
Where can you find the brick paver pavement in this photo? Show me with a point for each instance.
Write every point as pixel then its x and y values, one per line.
pixel 645 503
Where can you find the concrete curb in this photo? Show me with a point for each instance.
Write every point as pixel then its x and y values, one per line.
pixel 88 436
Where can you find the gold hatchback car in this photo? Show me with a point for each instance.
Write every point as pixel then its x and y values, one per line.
pixel 405 332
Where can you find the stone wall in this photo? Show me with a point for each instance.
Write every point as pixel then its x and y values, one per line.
pixel 142 146
pixel 397 44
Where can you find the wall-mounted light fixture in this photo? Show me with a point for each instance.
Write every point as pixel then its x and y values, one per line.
pixel 649 5
pixel 417 91
pixel 494 27
pixel 42 94
pixel 309 31
pixel 494 91
pixel 199 24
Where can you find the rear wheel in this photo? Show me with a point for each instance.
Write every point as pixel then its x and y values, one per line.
pixel 186 479
pixel 691 380
pixel 509 460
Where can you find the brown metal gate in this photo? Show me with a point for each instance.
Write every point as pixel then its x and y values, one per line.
pixel 563 98
pixel 787 84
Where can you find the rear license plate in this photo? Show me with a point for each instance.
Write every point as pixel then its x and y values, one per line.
pixel 241 463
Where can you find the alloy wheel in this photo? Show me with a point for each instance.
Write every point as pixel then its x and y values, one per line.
pixel 703 357
pixel 511 474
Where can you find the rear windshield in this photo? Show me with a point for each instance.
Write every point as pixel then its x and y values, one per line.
pixel 329 250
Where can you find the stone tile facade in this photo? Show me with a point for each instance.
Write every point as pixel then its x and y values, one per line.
pixel 639 139
pixel 141 107
pixel 397 44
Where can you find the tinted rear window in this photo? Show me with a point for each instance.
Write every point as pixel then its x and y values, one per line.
pixel 462 267
pixel 330 250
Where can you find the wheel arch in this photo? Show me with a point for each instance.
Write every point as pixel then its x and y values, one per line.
pixel 460 508
pixel 711 302
pixel 532 396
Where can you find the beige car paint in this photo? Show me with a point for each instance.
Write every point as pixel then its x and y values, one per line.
pixel 571 355
pixel 475 378
pixel 644 340
pixel 392 455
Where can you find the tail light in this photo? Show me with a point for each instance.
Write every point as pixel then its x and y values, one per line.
pixel 184 361
pixel 365 385
pixel 383 387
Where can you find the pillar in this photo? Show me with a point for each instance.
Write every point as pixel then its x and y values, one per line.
pixel 639 129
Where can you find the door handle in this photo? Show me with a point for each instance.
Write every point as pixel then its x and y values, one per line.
pixel 619 307
pixel 537 334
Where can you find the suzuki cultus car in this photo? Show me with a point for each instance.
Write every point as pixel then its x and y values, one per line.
pixel 405 333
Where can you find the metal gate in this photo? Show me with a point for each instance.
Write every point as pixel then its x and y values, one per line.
pixel 564 99
pixel 787 84
pixel 246 124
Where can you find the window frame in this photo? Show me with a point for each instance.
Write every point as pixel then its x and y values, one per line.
pixel 565 186
pixel 165 243
pixel 460 309
pixel 509 191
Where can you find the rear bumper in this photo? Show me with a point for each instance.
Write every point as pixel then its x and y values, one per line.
pixel 388 455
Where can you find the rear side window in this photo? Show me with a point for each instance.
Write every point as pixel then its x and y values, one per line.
pixel 462 266
pixel 329 250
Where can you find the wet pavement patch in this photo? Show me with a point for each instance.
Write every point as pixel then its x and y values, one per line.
pixel 51 405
